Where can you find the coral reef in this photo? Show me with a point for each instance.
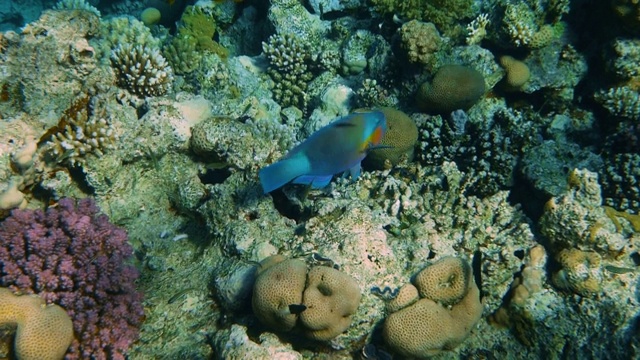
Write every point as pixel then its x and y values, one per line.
pixel 72 256
pixel 43 332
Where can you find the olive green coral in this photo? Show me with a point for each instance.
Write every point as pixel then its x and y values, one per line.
pixel 445 14
pixel 453 87
pixel 421 41
pixel 398 142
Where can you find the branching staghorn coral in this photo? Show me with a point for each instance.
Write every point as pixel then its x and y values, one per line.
pixel 142 70
pixel 82 131
pixel 288 59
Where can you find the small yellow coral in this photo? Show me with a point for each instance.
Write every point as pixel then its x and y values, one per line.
pixel 517 72
pixel 44 332
pixel 580 273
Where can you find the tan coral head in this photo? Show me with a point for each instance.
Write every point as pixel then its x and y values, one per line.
pixel 44 332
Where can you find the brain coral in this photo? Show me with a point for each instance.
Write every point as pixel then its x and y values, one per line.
pixel 72 256
pixel 453 87
pixel 279 283
pixel 331 298
pixel 326 298
pixel 398 142
pixel 445 281
pixel 44 332
pixel 425 328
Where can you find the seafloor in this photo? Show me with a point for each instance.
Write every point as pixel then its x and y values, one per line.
pixel 512 144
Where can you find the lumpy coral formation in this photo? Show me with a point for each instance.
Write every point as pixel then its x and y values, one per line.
pixel 44 332
pixel 72 256
pixel 320 302
pixel 448 309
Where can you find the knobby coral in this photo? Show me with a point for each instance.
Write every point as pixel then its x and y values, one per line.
pixel 72 256
pixel 44 332
pixel 142 70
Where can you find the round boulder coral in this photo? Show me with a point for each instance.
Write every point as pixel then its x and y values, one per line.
pixel 421 41
pixel 331 298
pixel 279 284
pixel 44 332
pixel 446 281
pixel 453 87
pixel 398 142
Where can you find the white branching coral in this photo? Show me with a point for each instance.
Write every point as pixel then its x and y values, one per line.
pixel 520 24
pixel 142 70
pixel 477 29
pixel 76 5
pixel 620 101
pixel 82 134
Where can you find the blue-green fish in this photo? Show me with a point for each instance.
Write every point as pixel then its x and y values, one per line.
pixel 336 148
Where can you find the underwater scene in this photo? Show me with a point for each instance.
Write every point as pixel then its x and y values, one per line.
pixel 319 179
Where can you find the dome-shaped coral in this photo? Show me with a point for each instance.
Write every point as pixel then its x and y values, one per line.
pixel 331 298
pixel 320 304
pixel 279 283
pixel 446 281
pixel 453 87
pixel 44 332
pixel 398 142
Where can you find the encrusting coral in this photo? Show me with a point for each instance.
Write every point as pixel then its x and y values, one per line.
pixel 580 272
pixel 44 332
pixel 426 327
pixel 320 303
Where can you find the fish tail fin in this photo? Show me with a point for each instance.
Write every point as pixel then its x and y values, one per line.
pixel 282 172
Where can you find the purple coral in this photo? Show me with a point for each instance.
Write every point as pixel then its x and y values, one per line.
pixel 73 256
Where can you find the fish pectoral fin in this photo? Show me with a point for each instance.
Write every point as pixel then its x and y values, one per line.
pixel 316 181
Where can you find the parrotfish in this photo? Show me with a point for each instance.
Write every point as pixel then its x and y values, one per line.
pixel 338 147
